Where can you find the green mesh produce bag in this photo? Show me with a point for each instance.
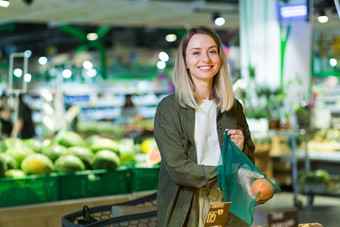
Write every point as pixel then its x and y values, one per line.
pixel 235 176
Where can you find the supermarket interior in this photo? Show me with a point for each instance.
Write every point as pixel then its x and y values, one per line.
pixel 80 82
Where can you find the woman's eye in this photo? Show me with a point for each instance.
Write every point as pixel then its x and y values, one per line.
pixel 213 52
pixel 196 53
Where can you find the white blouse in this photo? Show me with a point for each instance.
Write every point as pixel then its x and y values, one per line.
pixel 206 139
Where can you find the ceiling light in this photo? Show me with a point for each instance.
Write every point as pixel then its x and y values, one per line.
pixel 323 18
pixel 27 77
pixel 333 62
pixel 17 72
pixel 92 72
pixel 161 65
pixel 87 65
pixel 4 3
pixel 28 53
pixel 170 38
pixel 67 73
pixel 163 56
pixel 42 60
pixel 92 36
pixel 218 19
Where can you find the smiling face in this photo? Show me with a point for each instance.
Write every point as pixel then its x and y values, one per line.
pixel 202 58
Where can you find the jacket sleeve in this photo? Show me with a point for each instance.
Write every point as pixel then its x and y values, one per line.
pixel 175 149
pixel 249 146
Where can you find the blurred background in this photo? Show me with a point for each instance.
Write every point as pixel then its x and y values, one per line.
pixel 91 74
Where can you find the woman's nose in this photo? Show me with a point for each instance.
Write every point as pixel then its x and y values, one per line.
pixel 205 57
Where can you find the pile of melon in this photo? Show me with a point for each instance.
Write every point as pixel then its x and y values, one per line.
pixel 68 152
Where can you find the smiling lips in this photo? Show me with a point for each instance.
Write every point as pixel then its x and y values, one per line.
pixel 205 67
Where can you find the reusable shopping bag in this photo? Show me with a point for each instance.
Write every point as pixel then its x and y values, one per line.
pixel 235 174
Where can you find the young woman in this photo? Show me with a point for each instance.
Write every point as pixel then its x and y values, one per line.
pixel 189 130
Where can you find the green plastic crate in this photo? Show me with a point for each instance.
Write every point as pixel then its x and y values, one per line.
pixel 92 183
pixel 144 178
pixel 28 190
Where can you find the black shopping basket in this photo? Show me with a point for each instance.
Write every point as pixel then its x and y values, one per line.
pixel 102 215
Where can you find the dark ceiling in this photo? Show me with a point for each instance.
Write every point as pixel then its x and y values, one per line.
pixel 38 37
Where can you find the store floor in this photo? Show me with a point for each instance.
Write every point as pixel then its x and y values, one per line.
pixel 325 210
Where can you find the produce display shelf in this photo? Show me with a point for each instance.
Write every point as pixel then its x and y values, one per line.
pixel 93 183
pixel 144 178
pixel 29 190
pixel 330 156
pixel 34 189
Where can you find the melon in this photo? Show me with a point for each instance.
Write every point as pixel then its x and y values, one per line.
pixel 54 151
pixel 153 156
pixel 69 163
pixel 105 159
pixel 105 144
pixel 19 153
pixel 69 139
pixel 34 144
pixel 85 155
pixel 11 162
pixel 37 164
pixel 15 173
pixel 10 142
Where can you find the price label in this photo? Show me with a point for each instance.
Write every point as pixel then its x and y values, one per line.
pixel 218 214
pixel 287 218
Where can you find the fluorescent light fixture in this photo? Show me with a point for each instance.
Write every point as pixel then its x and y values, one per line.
pixel 92 36
pixel 4 3
pixel 170 38
pixel 293 11
pixel 323 19
pixel 219 21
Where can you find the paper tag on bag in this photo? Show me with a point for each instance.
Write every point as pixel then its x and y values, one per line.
pixel 218 214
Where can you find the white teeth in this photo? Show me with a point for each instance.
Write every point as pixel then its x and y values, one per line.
pixel 204 67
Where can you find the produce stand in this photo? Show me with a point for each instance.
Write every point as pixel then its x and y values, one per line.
pixel 29 190
pixel 293 159
pixel 325 160
pixel 306 156
pixel 93 183
pixel 42 200
pixel 35 189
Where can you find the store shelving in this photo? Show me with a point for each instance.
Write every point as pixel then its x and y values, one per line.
pixel 104 101
pixel 328 156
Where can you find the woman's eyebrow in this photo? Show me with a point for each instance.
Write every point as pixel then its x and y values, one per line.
pixel 198 48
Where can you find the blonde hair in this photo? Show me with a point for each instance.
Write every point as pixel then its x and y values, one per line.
pixel 221 91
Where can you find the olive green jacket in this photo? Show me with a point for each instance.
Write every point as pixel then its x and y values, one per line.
pixel 180 176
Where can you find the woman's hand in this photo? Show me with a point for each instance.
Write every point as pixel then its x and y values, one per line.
pixel 236 135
